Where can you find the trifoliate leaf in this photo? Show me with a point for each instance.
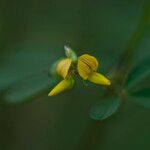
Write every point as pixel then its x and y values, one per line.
pixel 27 89
pixel 104 108
pixel 138 74
pixel 141 97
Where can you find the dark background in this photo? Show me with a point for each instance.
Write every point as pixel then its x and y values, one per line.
pixel 32 36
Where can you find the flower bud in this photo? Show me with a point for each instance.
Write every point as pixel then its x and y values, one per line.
pixel 70 53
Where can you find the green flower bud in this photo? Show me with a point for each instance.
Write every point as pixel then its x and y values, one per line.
pixel 70 54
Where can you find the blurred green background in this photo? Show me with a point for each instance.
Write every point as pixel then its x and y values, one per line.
pixel 32 36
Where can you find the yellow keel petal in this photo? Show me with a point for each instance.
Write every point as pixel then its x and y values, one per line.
pixel 98 78
pixel 61 86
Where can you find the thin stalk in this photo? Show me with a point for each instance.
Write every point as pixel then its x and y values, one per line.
pixel 126 58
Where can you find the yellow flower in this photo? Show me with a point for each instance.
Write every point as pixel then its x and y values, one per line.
pixel 63 67
pixel 62 86
pixel 87 67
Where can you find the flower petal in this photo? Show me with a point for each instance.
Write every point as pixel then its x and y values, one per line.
pixel 89 61
pixel 86 65
pixel 62 86
pixel 83 69
pixel 63 67
pixel 98 78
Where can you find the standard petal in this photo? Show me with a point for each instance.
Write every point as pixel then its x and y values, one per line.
pixel 98 78
pixel 89 61
pixel 62 86
pixel 83 69
pixel 63 67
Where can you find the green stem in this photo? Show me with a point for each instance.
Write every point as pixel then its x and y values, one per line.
pixel 125 59
pixel 92 133
pixel 90 137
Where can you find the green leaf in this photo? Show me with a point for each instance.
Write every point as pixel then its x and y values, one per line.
pixel 105 108
pixel 143 101
pixel 141 97
pixel 27 89
pixel 24 60
pixel 143 93
pixel 138 74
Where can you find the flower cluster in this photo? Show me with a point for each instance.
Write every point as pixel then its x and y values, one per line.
pixel 85 66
